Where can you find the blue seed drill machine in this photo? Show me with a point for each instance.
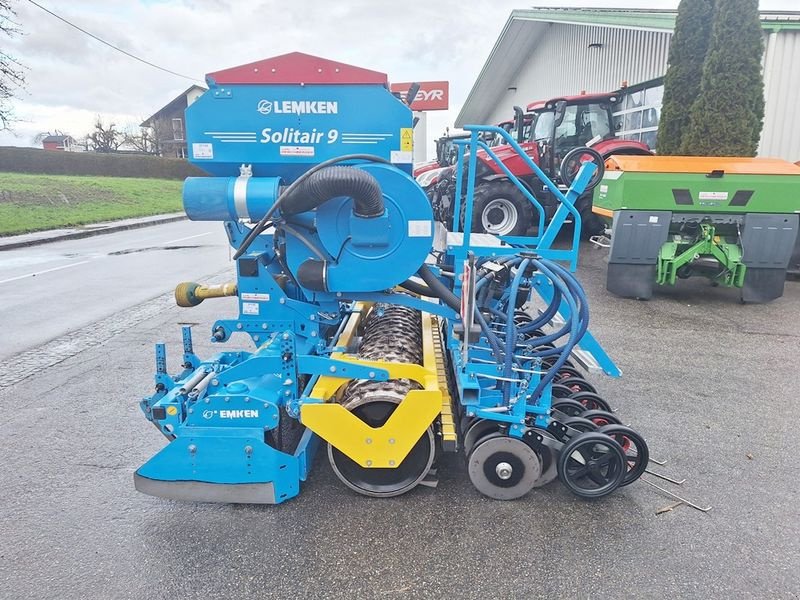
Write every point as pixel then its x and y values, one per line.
pixel 374 331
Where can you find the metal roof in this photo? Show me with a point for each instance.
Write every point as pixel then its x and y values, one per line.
pixel 525 27
pixel 296 68
pixel 57 138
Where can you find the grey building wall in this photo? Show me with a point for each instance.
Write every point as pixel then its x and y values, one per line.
pixel 562 63
pixel 781 134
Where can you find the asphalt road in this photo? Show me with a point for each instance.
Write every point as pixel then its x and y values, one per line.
pixel 712 385
pixel 49 290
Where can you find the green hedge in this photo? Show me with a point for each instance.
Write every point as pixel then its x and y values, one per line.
pixel 51 162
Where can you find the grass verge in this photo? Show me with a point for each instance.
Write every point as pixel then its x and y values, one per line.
pixel 40 202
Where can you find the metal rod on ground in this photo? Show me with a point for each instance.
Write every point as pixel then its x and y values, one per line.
pixel 660 463
pixel 671 495
pixel 665 478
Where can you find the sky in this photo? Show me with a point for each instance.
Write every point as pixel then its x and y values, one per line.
pixel 71 78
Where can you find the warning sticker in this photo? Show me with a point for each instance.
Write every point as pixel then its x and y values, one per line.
pixel 297 150
pixel 249 308
pixel 406 139
pixel 202 151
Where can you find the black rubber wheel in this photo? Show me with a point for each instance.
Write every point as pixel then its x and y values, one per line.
pixel 592 465
pixel 591 401
pixel 601 417
pixel 565 372
pixel 549 361
pixel 591 224
pixel 573 161
pixel 635 448
pixel 560 391
pixel 578 384
pixel 500 208
pixel 581 424
pixel 568 407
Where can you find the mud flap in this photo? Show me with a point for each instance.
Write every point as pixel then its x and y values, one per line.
pixel 631 281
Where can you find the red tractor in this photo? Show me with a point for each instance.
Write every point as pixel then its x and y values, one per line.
pixel 446 154
pixel 558 135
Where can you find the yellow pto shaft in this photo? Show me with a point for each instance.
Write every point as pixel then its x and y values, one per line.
pixel 189 293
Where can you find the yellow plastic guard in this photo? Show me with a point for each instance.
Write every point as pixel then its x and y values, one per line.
pixel 388 445
pixel 702 164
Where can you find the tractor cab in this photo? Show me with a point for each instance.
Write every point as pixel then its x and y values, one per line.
pixel 563 124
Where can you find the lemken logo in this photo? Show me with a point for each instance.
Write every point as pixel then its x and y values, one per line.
pixel 298 107
pixel 264 107
pixel 238 414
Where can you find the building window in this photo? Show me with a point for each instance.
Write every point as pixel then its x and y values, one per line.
pixel 637 113
pixel 177 130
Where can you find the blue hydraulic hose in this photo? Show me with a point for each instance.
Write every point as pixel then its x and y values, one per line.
pixel 583 312
pixel 574 337
pixel 497 313
pixel 546 316
pixel 511 328
pixel 490 337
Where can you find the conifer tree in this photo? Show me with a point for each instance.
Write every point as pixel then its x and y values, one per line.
pixel 687 51
pixel 727 117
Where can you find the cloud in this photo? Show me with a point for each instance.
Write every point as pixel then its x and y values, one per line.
pixel 72 77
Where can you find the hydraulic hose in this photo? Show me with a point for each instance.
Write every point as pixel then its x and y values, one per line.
pixel 579 296
pixel 511 326
pixel 575 326
pixel 546 316
pixel 439 290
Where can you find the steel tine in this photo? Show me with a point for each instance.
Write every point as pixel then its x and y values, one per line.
pixel 671 495
pixel 665 478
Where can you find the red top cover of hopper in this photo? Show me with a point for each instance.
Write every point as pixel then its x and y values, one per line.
pixel 297 68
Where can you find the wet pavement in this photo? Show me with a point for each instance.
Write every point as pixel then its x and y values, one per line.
pixel 712 385
pixel 51 289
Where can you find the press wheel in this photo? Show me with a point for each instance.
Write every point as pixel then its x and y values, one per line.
pixel 592 465
pixel 635 448
pixel 581 424
pixel 568 407
pixel 503 468
pixel 601 417
pixel 591 401
pixel 578 384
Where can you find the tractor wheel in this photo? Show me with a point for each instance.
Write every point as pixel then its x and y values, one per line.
pixel 500 208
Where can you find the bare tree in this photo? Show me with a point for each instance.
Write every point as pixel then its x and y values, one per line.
pixel 145 139
pixel 12 73
pixel 105 138
pixel 149 139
